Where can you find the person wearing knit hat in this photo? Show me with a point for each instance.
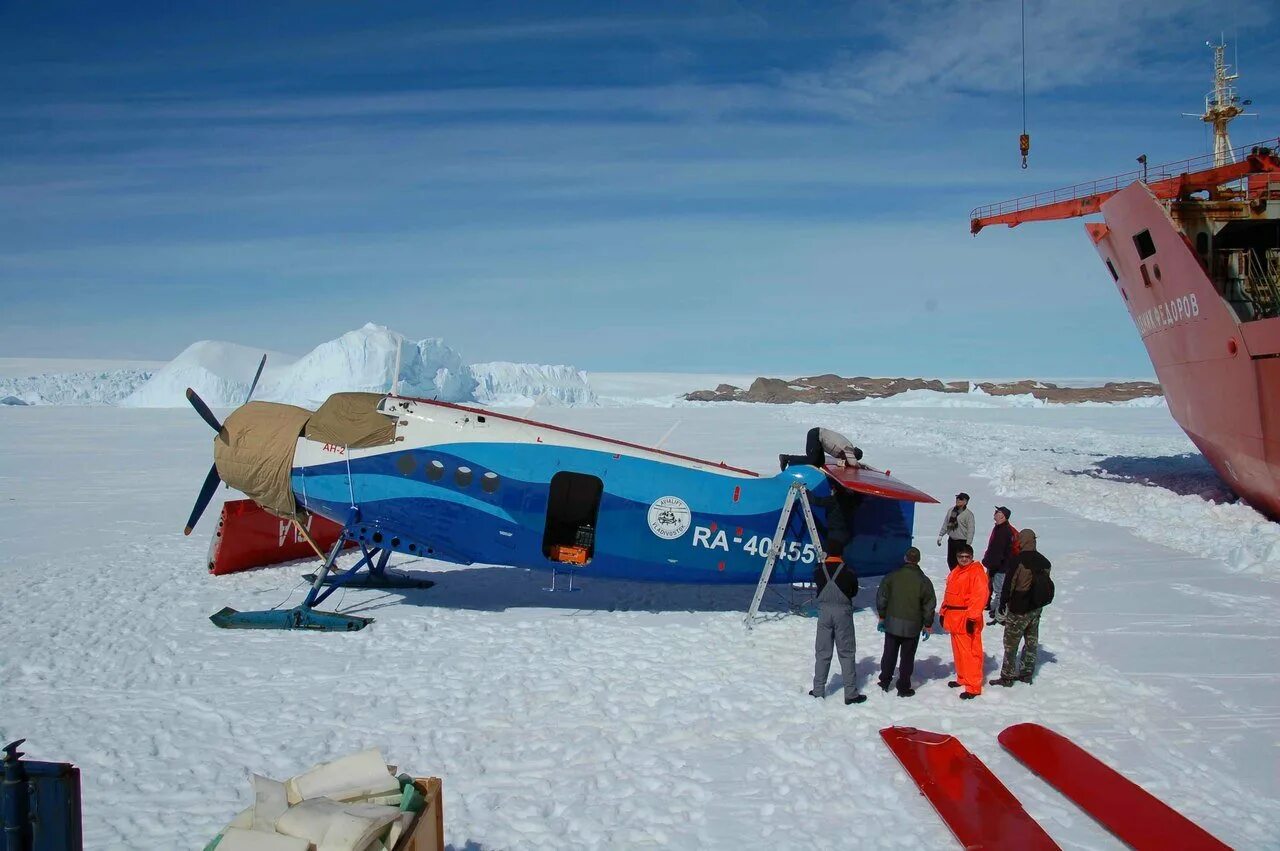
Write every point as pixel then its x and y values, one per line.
pixel 998 558
pixel 1028 588
pixel 957 527
pixel 905 604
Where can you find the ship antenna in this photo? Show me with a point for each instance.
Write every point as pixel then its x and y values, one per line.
pixel 1221 105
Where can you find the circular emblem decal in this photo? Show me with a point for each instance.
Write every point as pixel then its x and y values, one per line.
pixel 669 517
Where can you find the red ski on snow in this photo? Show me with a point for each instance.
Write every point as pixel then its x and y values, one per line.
pixel 1133 814
pixel 973 802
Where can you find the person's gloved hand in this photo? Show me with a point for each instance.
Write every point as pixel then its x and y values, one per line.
pixel 971 626
pixel 939 541
pixel 925 633
pixel 880 626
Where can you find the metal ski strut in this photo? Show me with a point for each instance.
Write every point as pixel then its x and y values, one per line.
pixel 797 493
pixel 323 585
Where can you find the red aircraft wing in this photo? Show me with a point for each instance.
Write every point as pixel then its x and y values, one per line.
pixel 871 481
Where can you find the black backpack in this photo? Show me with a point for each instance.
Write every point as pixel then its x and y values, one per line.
pixel 1041 593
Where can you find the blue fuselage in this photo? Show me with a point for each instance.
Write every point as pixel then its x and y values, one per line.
pixel 487 502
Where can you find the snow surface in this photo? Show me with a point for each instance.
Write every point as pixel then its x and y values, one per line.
pixel 520 384
pixel 629 714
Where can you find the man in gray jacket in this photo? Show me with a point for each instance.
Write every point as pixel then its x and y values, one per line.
pixel 837 586
pixel 957 527
pixel 905 602
pixel 821 442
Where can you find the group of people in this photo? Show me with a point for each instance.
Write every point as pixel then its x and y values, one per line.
pixel 1010 586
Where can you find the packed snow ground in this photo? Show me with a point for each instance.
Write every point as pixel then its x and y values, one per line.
pixel 630 714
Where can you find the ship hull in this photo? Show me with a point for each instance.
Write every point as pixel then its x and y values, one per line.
pixel 1221 377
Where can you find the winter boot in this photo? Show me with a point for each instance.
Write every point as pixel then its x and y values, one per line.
pixel 813 693
pixel 857 698
pixel 953 684
pixel 1026 678
pixel 883 686
pixel 908 692
pixel 1002 681
pixel 967 695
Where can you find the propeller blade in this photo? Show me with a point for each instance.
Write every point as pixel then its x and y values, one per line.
pixel 211 483
pixel 203 410
pixel 256 376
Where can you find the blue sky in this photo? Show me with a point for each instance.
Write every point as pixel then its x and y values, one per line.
pixel 695 186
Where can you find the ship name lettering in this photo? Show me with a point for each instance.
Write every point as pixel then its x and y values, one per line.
pixel 1168 313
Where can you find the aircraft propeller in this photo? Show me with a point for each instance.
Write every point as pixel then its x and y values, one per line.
pixel 212 480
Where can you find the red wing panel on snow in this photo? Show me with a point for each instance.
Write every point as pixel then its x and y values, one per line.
pixel 1133 814
pixel 248 536
pixel 973 802
pixel 873 482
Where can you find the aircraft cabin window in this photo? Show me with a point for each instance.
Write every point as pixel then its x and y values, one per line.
pixel 406 464
pixel 435 471
pixel 463 477
pixel 489 482
pixel 573 506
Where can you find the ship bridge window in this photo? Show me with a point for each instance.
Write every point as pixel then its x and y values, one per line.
pixel 573 506
pixel 1112 269
pixel 1145 244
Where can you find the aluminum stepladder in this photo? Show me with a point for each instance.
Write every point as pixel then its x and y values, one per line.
pixel 797 493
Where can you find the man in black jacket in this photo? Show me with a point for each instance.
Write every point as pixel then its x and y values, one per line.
pixel 998 559
pixel 837 586
pixel 1021 616
pixel 838 511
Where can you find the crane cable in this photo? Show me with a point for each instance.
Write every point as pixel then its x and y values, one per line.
pixel 1024 141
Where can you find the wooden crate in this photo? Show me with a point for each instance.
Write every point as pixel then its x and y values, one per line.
pixel 427 831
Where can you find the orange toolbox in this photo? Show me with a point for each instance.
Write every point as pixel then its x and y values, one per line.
pixel 569 555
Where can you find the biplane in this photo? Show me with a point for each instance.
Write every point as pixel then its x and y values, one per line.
pixel 467 485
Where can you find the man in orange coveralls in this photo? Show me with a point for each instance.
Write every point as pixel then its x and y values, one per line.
pixel 963 608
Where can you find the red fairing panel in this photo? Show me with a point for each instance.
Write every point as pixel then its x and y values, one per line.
pixel 875 483
pixel 1136 817
pixel 973 802
pixel 249 537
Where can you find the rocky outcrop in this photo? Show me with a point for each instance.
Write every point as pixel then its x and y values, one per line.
pixel 834 388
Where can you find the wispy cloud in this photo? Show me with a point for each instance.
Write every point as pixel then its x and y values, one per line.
pixel 927 51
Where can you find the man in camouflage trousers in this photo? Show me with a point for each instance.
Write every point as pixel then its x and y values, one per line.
pixel 1021 613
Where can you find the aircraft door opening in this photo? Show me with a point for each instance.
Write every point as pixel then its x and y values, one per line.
pixel 572 509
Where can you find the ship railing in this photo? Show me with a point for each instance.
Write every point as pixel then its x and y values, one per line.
pixel 1111 184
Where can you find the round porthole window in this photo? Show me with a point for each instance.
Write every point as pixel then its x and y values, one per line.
pixel 435 471
pixel 406 464
pixel 463 477
pixel 489 482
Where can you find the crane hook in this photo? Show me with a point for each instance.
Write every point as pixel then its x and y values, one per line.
pixel 1024 146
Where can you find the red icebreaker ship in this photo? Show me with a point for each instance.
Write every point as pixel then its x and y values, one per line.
pixel 1194 250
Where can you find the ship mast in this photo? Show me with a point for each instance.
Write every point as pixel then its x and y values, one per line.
pixel 1221 105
